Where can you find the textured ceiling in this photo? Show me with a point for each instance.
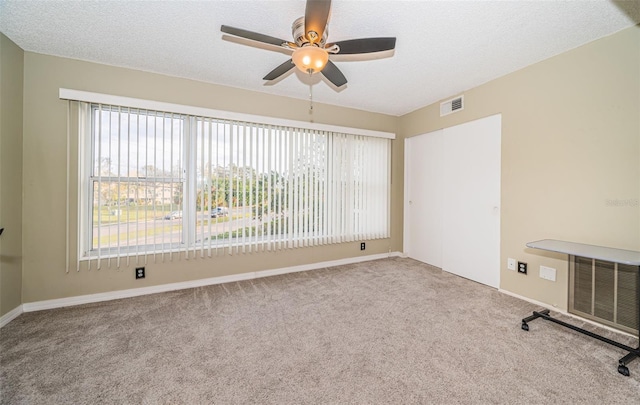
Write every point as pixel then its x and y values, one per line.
pixel 443 47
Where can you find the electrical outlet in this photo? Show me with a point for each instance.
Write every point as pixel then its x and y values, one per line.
pixel 511 264
pixel 522 267
pixel 362 246
pixel 139 272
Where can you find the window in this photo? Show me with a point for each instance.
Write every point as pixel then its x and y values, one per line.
pixel 157 183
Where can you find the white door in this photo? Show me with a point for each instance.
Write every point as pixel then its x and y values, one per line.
pixel 471 221
pixel 452 199
pixel 423 198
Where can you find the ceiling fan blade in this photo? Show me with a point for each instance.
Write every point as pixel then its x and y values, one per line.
pixel 316 16
pixel 252 35
pixel 334 74
pixel 364 45
pixel 280 70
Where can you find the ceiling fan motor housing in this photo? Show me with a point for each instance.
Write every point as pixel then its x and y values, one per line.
pixel 299 34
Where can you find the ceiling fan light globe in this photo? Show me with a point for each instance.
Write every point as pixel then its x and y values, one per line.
pixel 310 58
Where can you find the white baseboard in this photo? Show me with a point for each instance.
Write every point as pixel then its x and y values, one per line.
pixel 135 292
pixel 539 303
pixel 563 312
pixel 11 315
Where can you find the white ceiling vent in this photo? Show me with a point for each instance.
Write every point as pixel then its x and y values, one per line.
pixel 451 106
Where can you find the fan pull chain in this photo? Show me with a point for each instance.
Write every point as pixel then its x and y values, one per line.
pixel 310 97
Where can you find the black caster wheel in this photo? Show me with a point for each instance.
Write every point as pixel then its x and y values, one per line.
pixel 624 370
pixel 525 326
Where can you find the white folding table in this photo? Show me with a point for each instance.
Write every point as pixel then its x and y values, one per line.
pixel 628 257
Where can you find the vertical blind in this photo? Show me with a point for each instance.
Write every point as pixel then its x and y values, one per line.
pixel 158 184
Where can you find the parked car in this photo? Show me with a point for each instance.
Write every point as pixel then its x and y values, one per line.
pixel 173 215
pixel 219 212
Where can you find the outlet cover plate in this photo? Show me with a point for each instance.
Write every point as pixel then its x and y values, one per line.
pixel 511 264
pixel 548 273
pixel 522 267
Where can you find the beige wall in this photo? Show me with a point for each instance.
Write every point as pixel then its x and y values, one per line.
pixel 570 142
pixel 11 74
pixel 45 131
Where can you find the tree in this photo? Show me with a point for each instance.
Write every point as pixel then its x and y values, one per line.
pixel 268 195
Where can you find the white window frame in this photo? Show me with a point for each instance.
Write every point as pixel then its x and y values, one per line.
pixel 189 231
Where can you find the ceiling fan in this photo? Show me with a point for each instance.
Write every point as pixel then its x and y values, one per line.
pixel 310 50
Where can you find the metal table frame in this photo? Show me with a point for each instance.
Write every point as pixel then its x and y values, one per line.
pixel 628 257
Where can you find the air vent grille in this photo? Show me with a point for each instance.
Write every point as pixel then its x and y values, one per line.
pixel 605 292
pixel 451 106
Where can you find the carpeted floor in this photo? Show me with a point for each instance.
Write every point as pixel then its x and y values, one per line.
pixel 390 331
